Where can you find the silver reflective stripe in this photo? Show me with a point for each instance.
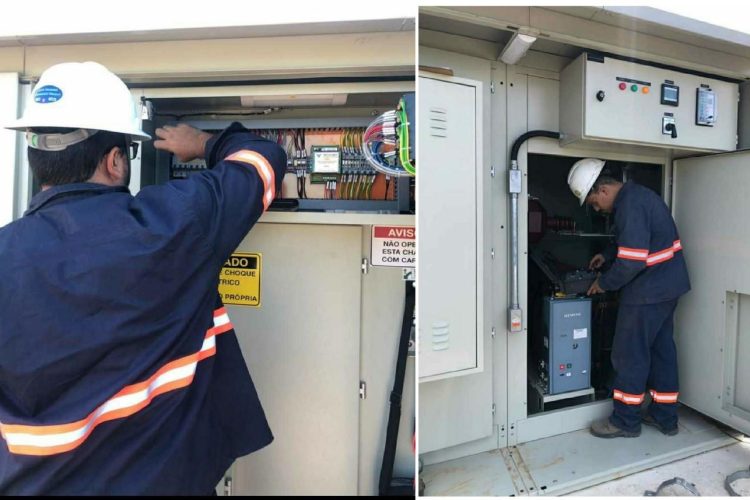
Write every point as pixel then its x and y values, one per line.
pixel 58 142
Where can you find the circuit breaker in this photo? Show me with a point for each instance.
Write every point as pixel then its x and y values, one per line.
pixel 617 100
pixel 567 344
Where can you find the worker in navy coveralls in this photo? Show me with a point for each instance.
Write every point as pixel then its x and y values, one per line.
pixel 648 267
pixel 120 373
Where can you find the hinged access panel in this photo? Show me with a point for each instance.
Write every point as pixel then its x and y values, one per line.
pixel 712 326
pixel 450 221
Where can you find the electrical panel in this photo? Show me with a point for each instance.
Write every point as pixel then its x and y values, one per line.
pixel 326 171
pixel 604 98
pixel 566 365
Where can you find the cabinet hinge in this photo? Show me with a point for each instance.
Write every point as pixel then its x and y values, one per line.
pixel 362 390
pixel 365 266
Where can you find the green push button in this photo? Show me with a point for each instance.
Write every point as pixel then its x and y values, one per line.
pixel 634 88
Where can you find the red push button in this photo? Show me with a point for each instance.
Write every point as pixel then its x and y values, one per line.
pixel 623 86
pixel 562 367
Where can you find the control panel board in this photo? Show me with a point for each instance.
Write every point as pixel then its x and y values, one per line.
pixel 616 100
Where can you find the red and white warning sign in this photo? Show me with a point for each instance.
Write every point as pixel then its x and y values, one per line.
pixel 394 246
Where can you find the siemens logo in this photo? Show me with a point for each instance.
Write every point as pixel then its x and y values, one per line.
pixel 572 315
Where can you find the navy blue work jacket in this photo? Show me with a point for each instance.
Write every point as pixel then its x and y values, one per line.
pixel 647 263
pixel 120 372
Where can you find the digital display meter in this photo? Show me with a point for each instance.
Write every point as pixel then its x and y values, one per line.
pixel 670 94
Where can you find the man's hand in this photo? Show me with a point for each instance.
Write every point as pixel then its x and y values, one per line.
pixel 186 142
pixel 595 288
pixel 597 261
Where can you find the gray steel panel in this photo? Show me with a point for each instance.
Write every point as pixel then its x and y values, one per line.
pixel 568 329
pixel 302 347
pixel 495 291
pixel 711 208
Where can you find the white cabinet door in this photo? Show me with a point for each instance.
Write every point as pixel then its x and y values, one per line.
pixel 712 325
pixel 449 343
pixel 8 149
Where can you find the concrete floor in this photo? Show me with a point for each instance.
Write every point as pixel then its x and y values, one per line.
pixel 706 470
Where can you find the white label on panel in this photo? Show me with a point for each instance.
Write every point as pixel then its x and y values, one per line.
pixel 394 246
pixel 580 333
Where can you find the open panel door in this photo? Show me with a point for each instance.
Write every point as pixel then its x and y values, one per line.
pixel 712 326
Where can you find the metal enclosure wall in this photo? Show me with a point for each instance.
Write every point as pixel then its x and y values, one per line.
pixel 624 115
pixel 453 411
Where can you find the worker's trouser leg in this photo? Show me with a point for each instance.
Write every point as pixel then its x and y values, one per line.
pixel 644 353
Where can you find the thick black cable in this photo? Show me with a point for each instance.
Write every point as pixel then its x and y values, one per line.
pixel 528 135
pixel 389 454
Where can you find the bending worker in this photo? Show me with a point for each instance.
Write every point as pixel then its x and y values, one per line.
pixel 119 372
pixel 648 267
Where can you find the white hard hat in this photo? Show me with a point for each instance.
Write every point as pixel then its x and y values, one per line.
pixel 83 96
pixel 582 176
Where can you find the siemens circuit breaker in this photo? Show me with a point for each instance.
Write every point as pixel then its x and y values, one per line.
pixel 567 343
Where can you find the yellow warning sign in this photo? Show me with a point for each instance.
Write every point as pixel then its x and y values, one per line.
pixel 239 280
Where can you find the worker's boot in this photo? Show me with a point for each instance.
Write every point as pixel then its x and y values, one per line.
pixel 606 429
pixel 649 420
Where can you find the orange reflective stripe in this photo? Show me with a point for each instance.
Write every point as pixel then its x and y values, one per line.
pixel 52 439
pixel 664 397
pixel 265 171
pixel 640 254
pixel 632 253
pixel 658 257
pixel 628 399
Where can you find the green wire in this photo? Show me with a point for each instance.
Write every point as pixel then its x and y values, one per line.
pixel 403 139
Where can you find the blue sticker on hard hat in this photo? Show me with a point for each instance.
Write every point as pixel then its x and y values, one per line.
pixel 48 93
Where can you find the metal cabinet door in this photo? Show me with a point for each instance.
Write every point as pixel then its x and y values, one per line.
pixel 302 347
pixel 449 343
pixel 8 173
pixel 712 325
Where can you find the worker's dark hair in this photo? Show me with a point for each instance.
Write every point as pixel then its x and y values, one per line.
pixel 76 163
pixel 606 177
